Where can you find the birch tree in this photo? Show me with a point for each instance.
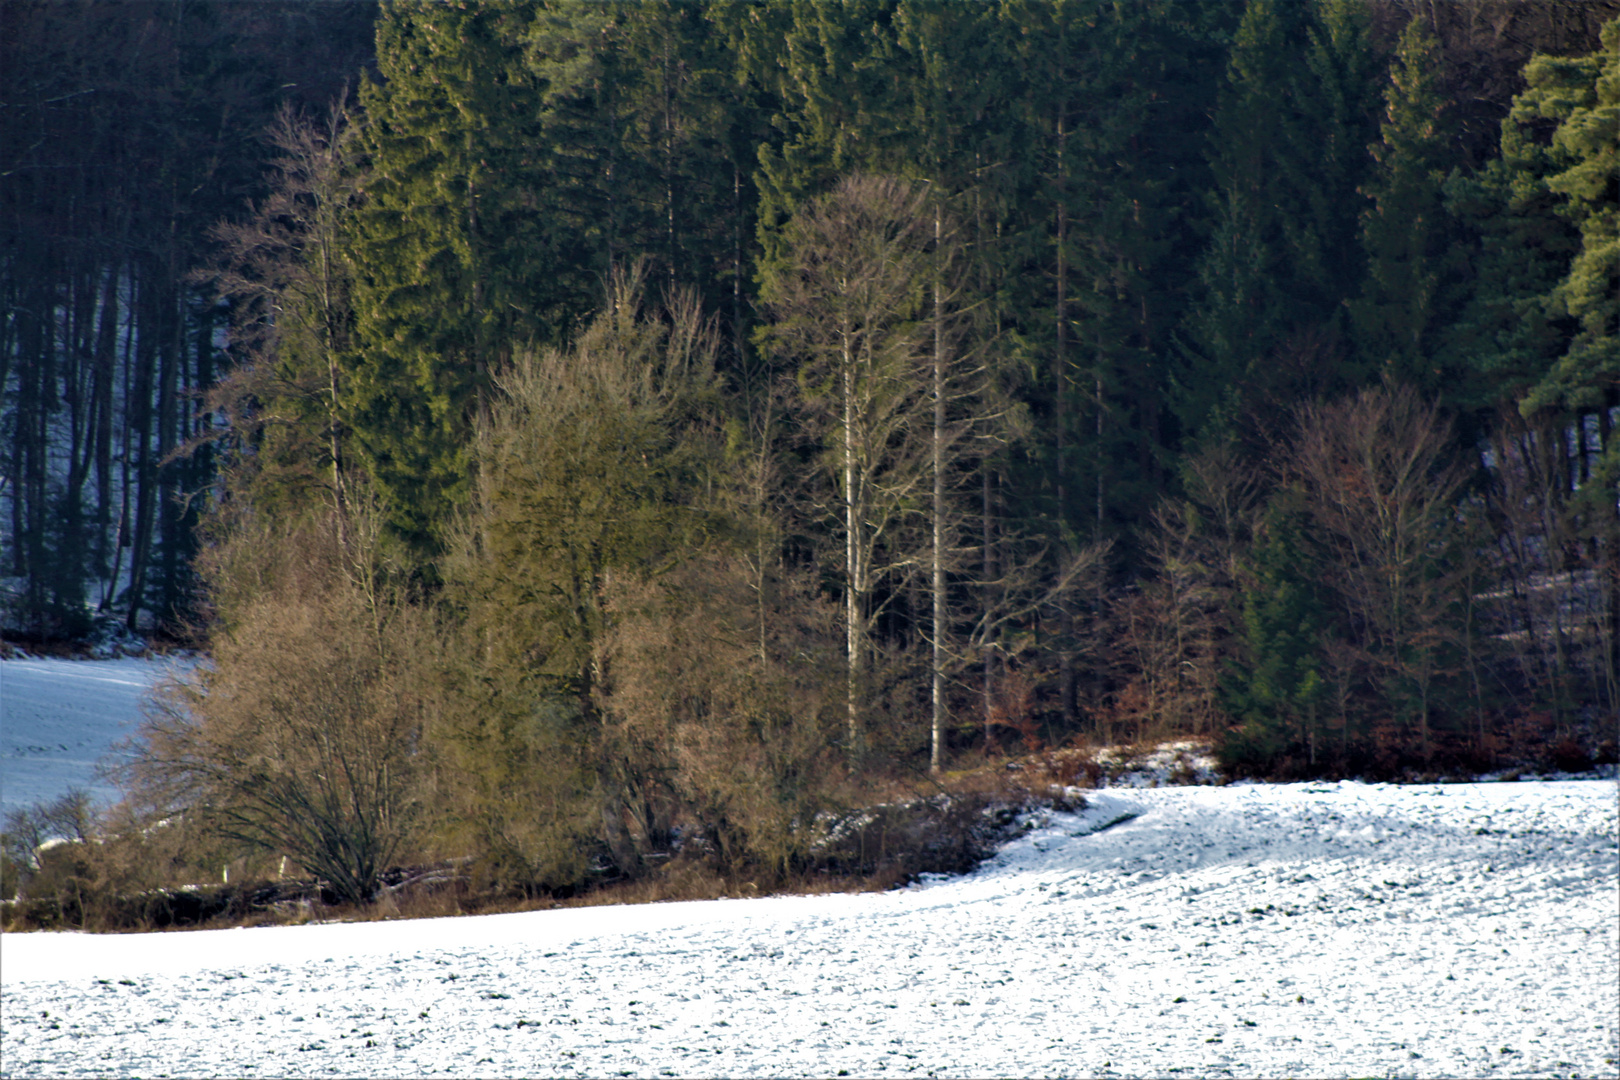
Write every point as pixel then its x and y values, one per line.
pixel 851 302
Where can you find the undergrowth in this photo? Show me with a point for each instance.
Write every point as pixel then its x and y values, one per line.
pixel 92 882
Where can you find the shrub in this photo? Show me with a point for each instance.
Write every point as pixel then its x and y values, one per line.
pixel 304 735
pixel 725 712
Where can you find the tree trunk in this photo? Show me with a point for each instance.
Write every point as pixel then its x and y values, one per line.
pixel 852 552
pixel 1060 415
pixel 937 575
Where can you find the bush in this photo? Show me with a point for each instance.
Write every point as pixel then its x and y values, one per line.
pixel 1568 755
pixel 945 834
pixel 304 736
pixel 30 832
pixel 723 714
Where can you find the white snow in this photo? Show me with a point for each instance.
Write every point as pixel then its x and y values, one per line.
pixel 1187 761
pixel 59 718
pixel 1253 930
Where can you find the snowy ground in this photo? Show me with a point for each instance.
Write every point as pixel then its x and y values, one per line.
pixel 58 718
pixel 1300 930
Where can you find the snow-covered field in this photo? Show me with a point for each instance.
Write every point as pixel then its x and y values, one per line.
pixel 58 718
pixel 1299 930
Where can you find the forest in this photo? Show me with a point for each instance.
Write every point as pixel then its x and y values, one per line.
pixel 579 432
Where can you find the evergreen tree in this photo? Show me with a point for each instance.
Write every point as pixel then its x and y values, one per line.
pixel 1244 312
pixel 828 64
pixel 454 265
pixel 1095 260
pixel 1276 690
pixel 1506 335
pixel 589 197
pixel 1405 232
pixel 1287 155
pixel 1583 96
pixel 681 115
pixel 1327 159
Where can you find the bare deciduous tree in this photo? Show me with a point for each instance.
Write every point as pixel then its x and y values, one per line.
pixel 594 470
pixel 283 269
pixel 304 734
pixel 848 303
pixel 740 741
pixel 1383 487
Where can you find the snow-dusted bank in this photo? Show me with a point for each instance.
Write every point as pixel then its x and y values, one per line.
pixel 59 718
pixel 1303 930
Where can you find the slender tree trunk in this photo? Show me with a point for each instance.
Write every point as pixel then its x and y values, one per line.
pixel 1610 571
pixel 736 264
pixel 852 551
pixel 937 682
pixel 166 501
pixel 1100 457
pixel 140 447
pixel 123 533
pixel 669 159
pixel 989 559
pixel 106 368
pixel 1060 412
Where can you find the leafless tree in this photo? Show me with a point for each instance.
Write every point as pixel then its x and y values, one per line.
pixel 1383 485
pixel 852 305
pixel 283 270
pixel 304 734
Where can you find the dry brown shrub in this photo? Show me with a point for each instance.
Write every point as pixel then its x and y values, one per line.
pixel 304 735
pixel 723 712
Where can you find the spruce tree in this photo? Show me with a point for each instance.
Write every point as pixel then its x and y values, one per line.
pixel 1287 154
pixel 1583 95
pixel 1327 159
pixel 678 110
pixel 1275 690
pixel 1406 233
pixel 1095 257
pixel 453 262
pixel 1244 312
pixel 828 64
pixel 1507 336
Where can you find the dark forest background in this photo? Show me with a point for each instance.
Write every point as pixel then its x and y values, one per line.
pixel 589 421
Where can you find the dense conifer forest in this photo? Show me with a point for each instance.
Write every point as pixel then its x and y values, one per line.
pixel 577 428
